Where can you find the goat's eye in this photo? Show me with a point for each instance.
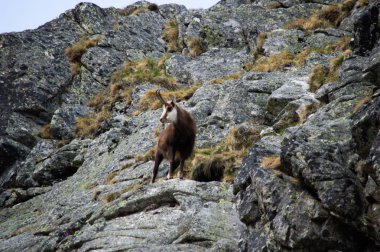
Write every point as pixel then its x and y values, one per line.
pixel 170 109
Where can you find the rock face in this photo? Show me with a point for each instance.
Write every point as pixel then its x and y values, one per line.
pixel 310 180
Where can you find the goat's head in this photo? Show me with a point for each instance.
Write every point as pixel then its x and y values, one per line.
pixel 169 115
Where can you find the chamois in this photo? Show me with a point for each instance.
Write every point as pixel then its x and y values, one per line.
pixel 176 141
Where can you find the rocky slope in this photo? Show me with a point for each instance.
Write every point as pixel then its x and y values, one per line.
pixel 307 91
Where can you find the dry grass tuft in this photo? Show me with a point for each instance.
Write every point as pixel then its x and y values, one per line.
pixel 87 126
pixel 275 5
pixel 75 52
pixel 362 3
pixel 328 16
pixel 143 71
pixel 259 51
pixel 148 156
pixel 123 12
pixel 195 47
pixel 363 101
pixel 271 162
pixel 171 36
pixel 150 101
pixel 220 162
pixel 317 77
pixel 234 76
pixel 321 75
pixel 122 83
pixel 45 132
pixel 274 62
pixel 110 197
pixel 304 111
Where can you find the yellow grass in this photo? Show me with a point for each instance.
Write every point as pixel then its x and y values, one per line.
pixel 271 162
pixel 234 76
pixel 149 155
pixel 328 16
pixel 221 160
pixel 150 101
pixel 75 52
pixel 274 62
pixel 88 126
pixel 195 47
pixel 363 101
pixel 317 77
pixel 45 132
pixel 171 36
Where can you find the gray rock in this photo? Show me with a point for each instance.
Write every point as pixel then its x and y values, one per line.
pixel 64 118
pixel 211 65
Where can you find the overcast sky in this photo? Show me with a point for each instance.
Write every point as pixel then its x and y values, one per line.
pixel 19 15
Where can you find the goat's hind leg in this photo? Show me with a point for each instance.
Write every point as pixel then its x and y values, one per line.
pixel 157 161
pixel 181 169
pixel 173 164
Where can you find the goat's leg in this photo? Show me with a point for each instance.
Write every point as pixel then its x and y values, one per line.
pixel 171 158
pixel 181 169
pixel 157 161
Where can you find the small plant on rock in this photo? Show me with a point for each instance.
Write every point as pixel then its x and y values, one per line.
pixel 171 36
pixel 75 52
pixel 328 16
pixel 195 46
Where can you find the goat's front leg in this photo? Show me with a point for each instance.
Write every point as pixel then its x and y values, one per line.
pixel 171 157
pixel 157 162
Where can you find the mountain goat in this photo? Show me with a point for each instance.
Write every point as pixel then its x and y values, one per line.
pixel 176 141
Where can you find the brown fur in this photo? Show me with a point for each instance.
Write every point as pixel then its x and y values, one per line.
pixel 176 142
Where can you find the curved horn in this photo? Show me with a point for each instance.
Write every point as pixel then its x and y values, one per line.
pixel 160 97
pixel 173 99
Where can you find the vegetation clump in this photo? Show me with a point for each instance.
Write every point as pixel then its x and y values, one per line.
pixel 122 83
pixel 75 52
pixel 328 16
pixel 259 45
pixel 150 101
pixel 220 162
pixel 195 46
pixel 170 36
pixel 278 62
pixel 45 132
pixel 321 75
pixel 229 77
pixel 87 126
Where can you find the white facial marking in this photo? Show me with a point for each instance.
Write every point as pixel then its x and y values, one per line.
pixel 172 115
pixel 168 116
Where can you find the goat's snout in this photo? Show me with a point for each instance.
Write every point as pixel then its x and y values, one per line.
pixel 162 120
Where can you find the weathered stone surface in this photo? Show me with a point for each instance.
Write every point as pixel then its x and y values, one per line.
pixel 214 64
pixel 312 178
pixel 63 121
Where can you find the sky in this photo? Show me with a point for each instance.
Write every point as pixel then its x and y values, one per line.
pixel 19 15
